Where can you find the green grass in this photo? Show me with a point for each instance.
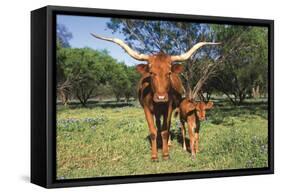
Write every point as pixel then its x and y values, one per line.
pixel 106 141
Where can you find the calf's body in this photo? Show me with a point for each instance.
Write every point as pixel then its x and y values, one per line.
pixel 192 113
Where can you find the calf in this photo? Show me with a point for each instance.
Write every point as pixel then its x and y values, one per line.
pixel 192 113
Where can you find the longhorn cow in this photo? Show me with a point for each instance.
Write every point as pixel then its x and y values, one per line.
pixel 160 89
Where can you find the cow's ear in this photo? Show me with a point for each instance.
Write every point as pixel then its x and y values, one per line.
pixel 142 68
pixel 177 84
pixel 209 105
pixel 177 68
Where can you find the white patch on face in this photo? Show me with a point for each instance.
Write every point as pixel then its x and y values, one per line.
pixel 161 97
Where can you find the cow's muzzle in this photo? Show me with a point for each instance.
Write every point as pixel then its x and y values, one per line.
pixel 160 98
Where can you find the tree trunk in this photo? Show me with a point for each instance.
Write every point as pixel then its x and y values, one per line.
pixel 82 100
pixel 63 96
pixel 241 98
pixel 256 91
pixel 117 98
pixel 83 96
pixel 127 98
pixel 188 90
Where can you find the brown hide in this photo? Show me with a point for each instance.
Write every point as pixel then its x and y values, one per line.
pixel 159 91
pixel 192 113
pixel 163 76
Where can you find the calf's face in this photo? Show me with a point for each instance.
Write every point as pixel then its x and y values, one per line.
pixel 201 108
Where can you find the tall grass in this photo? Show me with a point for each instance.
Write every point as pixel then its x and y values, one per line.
pixel 106 141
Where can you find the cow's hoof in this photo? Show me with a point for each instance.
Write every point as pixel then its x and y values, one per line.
pixel 154 159
pixel 166 157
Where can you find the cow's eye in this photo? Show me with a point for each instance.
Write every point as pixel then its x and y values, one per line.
pixel 152 74
pixel 168 74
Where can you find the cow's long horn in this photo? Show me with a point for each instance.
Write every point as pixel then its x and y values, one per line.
pixel 188 54
pixel 131 52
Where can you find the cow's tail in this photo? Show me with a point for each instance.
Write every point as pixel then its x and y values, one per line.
pixel 177 110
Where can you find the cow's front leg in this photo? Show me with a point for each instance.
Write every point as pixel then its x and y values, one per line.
pixel 169 127
pixel 153 133
pixel 169 141
pixel 165 147
pixel 165 133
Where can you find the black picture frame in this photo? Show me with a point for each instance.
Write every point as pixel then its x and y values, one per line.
pixel 43 93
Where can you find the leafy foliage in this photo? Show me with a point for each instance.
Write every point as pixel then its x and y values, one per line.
pixel 245 64
pixel 93 73
pixel 237 68
pixel 172 38
pixel 150 36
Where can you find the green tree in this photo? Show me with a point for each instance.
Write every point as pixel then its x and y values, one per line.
pixel 169 37
pixel 86 69
pixel 133 77
pixel 119 80
pixel 172 38
pixel 63 83
pixel 245 61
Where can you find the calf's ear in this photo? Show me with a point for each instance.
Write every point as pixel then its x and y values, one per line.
pixel 142 68
pixel 197 105
pixel 191 107
pixel 209 105
pixel 177 68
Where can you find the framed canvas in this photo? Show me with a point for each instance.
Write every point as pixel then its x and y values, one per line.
pixel 126 96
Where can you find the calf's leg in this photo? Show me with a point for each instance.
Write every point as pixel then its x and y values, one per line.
pixel 196 136
pixel 183 135
pixel 191 140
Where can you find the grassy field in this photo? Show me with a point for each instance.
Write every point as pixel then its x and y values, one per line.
pixel 112 140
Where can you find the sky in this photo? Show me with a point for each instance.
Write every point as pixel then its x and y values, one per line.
pixel 82 26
